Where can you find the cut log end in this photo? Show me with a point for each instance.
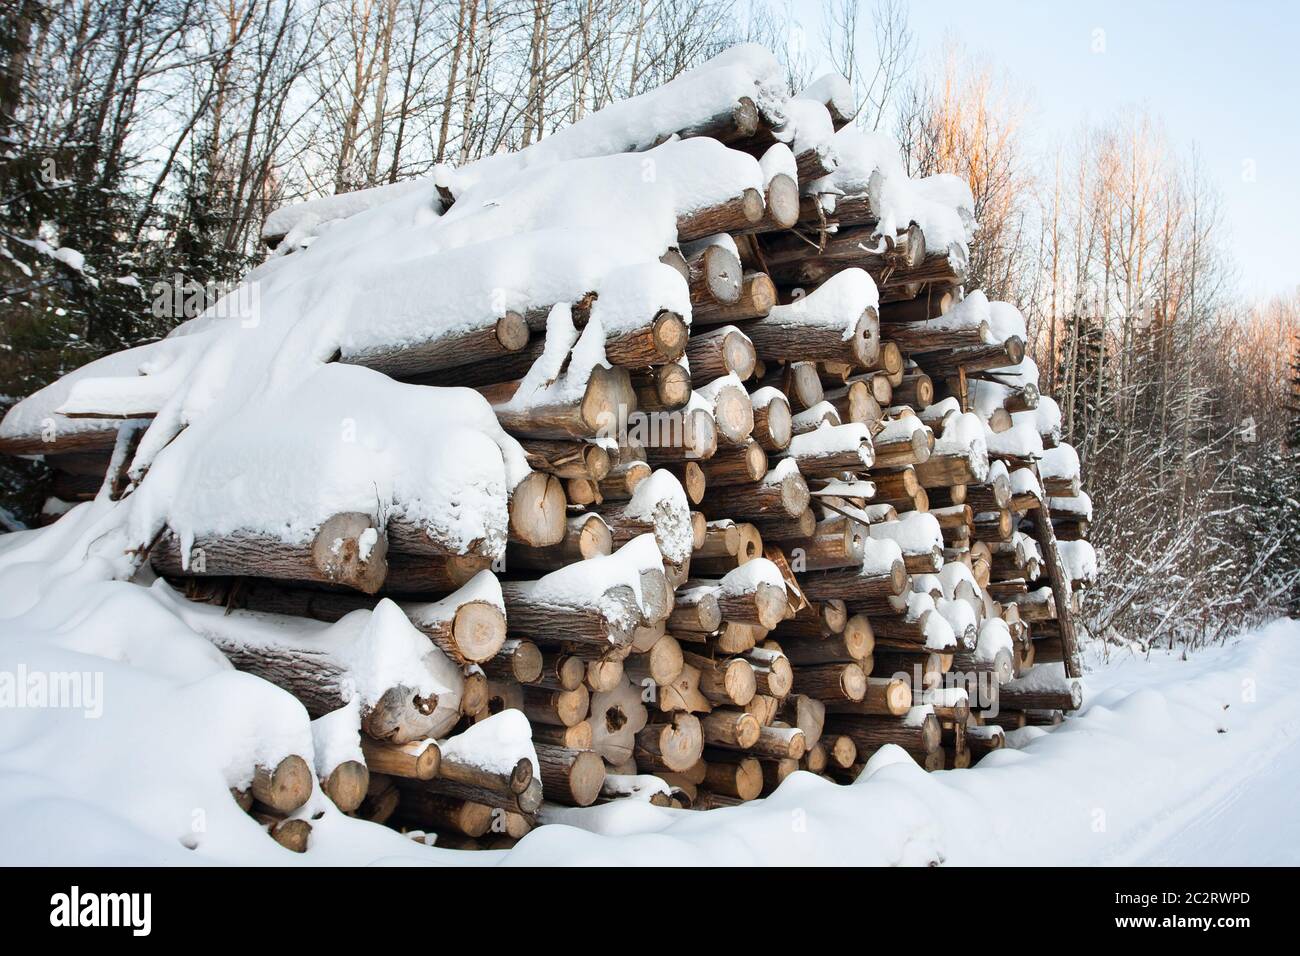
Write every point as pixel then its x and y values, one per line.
pixel 286 787
pixel 783 201
pixel 349 550
pixel 479 630
pixel 669 334
pixel 512 331
pixel 537 510
pixel 347 784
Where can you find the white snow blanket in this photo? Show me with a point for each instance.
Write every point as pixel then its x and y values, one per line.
pixel 1171 760
pixel 871 164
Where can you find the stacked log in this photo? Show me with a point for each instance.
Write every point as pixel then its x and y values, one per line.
pixel 819 549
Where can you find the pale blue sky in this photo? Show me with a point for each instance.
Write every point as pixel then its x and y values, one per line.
pixel 1223 75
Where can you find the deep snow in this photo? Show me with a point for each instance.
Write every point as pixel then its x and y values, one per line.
pixel 1171 761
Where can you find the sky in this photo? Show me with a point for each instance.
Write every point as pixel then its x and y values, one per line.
pixel 1222 76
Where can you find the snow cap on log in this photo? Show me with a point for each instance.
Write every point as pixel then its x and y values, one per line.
pixel 838 443
pixel 1044 419
pixel 746 578
pixel 960 616
pixel 835 92
pixel 1024 482
pixel 340 764
pixel 1079 506
pixel 344 440
pixel 879 555
pixel 1005 322
pixel 994 636
pixel 299 222
pixel 1021 440
pixel 661 501
pixel 915 532
pixel 494 745
pixel 560 374
pixel 954 573
pixel 1061 462
pixel 936 633
pixel 839 301
pixel 159 370
pixel 587 583
pixel 778 160
pixel 808 129
pixel 522 245
pixel 971 314
pixel 870 164
pixel 965 436
pixel 337 737
pixel 34 426
pixel 629 297
pixel 365 655
pixel 1079 559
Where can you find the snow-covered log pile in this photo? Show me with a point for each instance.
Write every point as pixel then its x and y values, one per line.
pixel 658 461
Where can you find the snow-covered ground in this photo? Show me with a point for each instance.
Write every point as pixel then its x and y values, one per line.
pixel 1172 761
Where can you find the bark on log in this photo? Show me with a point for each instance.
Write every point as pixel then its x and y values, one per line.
pixel 719 352
pixel 507 334
pixel 610 623
pixel 783 334
pixel 852 585
pixel 733 775
pixel 723 682
pixel 567 459
pixel 829 682
pixel 1041 518
pixel 757 297
pixel 422 808
pixel 780 743
pixel 730 729
pixel 556 708
pixel 596 413
pixel 348 550
pixel 869 734
pixel 732 215
pixel 782 493
pixel 1068 696
pixel 515 790
pixel 570 776
pixel 714 275
pixel 414 760
pixel 430 574
pixel 585 536
pixel 739 464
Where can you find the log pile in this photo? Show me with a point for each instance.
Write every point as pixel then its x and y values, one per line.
pixel 823 510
